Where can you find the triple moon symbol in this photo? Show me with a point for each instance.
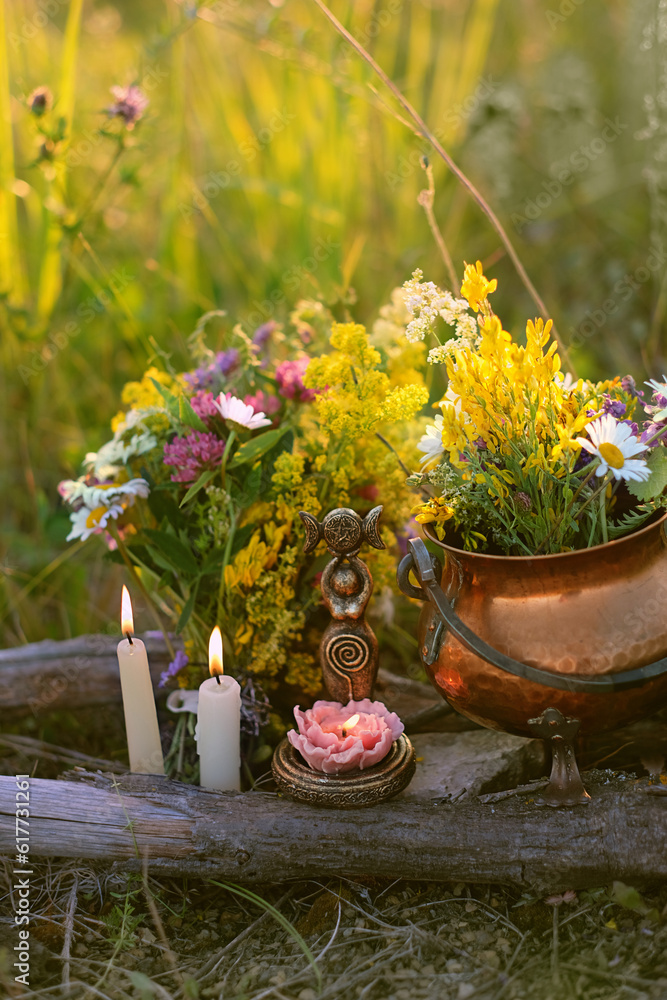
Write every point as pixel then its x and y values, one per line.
pixel 347 652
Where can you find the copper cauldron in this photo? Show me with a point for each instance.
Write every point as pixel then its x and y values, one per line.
pixel 547 645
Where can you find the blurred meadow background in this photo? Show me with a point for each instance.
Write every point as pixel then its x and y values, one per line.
pixel 271 165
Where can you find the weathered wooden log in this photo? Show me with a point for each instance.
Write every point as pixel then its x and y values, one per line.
pixel 49 675
pixel 257 837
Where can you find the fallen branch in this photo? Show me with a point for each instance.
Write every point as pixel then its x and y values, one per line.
pixel 260 837
pixel 49 675
pixel 30 747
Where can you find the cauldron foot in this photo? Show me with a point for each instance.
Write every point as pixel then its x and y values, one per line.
pixel 565 786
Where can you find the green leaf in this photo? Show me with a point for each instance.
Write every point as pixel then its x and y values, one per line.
pixel 213 561
pixel 251 450
pixel 203 480
pixel 170 401
pixel 241 536
pixel 188 416
pixel 146 987
pixel 626 896
pixel 173 549
pixel 162 505
pixel 252 485
pixel 188 608
pixel 657 481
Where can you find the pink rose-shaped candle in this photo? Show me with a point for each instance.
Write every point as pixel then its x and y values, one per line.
pixel 334 738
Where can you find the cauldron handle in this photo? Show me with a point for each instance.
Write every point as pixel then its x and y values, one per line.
pixel 565 787
pixel 426 567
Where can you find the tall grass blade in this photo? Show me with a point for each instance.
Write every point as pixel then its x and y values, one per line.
pixel 11 273
pixel 277 915
pixel 50 278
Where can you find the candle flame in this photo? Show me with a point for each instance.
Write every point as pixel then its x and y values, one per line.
pixel 352 721
pixel 215 652
pixel 126 619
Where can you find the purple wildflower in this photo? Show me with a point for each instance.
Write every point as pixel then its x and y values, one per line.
pixel 289 376
pixel 180 660
pixel 523 501
pixel 263 332
pixel 263 402
pixel 40 101
pixel 212 376
pixel 409 530
pixel 479 443
pixel 628 384
pixel 130 104
pixel 192 454
pixel 616 407
pixel 203 404
pixel 651 429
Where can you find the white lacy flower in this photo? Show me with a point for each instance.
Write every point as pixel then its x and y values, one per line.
pixel 438 355
pixel 431 443
pixel 615 445
pixel 87 522
pixel 467 328
pixel 425 302
pixel 234 409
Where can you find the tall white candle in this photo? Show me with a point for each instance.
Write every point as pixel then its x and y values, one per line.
pixel 143 734
pixel 219 724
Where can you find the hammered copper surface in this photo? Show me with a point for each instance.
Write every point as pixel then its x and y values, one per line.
pixel 593 611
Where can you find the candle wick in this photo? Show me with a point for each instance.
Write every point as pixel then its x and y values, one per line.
pixel 128 636
pixel 217 677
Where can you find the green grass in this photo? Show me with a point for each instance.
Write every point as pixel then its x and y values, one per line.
pixel 266 137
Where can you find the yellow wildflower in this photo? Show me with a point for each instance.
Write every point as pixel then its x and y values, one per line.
pixel 435 510
pixel 476 288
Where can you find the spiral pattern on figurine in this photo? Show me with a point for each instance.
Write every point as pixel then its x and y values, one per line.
pixel 346 652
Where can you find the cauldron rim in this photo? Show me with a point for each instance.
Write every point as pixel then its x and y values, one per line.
pixel 547 557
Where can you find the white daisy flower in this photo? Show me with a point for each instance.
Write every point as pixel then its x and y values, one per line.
pixel 234 409
pixel 615 445
pixel 431 442
pixel 87 522
pixel 660 389
pixel 74 491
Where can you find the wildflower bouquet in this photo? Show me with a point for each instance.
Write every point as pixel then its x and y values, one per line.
pixel 523 460
pixel 199 489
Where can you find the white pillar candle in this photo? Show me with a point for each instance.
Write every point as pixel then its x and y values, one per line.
pixel 219 724
pixel 143 733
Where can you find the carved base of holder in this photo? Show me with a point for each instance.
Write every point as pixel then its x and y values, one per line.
pixel 352 790
pixel 565 786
